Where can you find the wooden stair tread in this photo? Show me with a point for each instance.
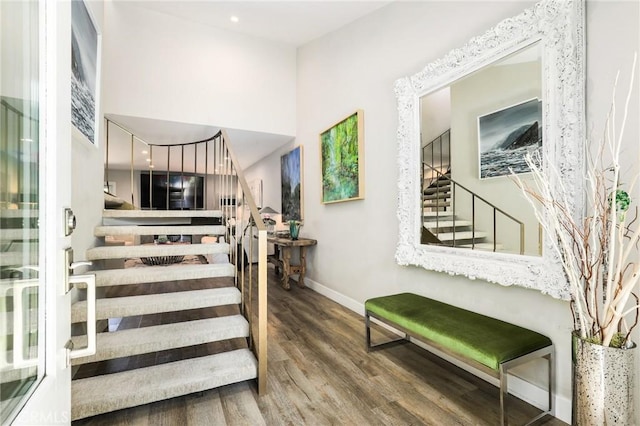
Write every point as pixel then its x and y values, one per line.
pixel 159 382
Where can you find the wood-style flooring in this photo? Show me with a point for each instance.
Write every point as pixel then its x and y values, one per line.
pixel 319 373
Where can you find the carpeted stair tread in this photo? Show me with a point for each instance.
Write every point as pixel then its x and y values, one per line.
pixel 145 385
pixel 482 246
pixel 153 250
pixel 113 213
pixel 432 214
pixel 156 338
pixel 119 307
pixel 432 224
pixel 103 231
pixel 18 235
pixel 155 274
pixel 463 235
pixel 13 258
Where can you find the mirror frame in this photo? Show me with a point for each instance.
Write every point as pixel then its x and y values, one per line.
pixel 559 26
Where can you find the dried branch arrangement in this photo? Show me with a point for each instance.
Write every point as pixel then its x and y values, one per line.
pixel 599 252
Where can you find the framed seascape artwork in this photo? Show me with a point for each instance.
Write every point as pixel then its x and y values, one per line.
pixel 506 136
pixel 291 181
pixel 85 66
pixel 342 160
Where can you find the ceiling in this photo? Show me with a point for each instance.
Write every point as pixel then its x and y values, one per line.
pixel 292 22
pixel 289 22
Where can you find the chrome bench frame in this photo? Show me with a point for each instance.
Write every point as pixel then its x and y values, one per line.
pixel 546 353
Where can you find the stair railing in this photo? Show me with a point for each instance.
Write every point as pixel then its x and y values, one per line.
pixel 455 185
pixel 438 151
pixel 225 189
pixel 437 154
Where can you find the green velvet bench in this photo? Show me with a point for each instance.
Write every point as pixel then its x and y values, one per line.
pixel 487 344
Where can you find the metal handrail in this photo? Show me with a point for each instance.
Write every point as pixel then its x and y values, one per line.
pixel 473 197
pixel 431 147
pixel 230 186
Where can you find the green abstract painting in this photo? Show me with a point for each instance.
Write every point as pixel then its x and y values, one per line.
pixel 341 149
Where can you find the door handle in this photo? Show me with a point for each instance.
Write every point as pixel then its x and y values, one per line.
pixel 19 361
pixel 89 281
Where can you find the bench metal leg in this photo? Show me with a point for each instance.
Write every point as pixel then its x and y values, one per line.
pixel 546 353
pixel 369 346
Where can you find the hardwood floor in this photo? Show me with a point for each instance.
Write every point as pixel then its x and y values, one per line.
pixel 320 374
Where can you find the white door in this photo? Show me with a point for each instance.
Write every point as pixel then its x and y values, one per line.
pixel 35 148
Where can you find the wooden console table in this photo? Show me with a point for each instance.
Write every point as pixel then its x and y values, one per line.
pixel 284 245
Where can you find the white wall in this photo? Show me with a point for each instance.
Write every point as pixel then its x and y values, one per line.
pixel 166 68
pixel 355 67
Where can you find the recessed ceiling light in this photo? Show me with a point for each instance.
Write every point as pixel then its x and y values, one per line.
pixel 148 160
pixel 145 151
pixel 234 19
pixel 151 166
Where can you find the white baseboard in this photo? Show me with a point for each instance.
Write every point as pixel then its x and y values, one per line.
pixel 518 387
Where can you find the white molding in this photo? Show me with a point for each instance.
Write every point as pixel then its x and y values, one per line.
pixel 559 26
pixel 524 390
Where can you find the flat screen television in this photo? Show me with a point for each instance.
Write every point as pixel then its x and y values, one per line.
pixel 185 192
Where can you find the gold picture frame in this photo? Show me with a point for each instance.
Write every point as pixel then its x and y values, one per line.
pixel 342 160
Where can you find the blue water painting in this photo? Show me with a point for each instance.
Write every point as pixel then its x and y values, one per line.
pixel 506 136
pixel 84 59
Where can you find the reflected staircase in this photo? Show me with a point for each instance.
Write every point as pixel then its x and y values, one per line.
pixel 441 226
pixel 441 219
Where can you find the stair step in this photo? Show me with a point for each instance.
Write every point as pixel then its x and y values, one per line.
pixel 18 234
pixel 119 307
pixel 464 235
pixel 15 258
pixel 102 394
pixel 437 196
pixel 434 189
pixel 440 182
pixel 153 250
pixel 103 231
pixel 163 337
pixel 18 213
pixel 160 213
pixel 481 246
pixel 155 274
pixel 429 204
pixel 446 224
pixel 441 215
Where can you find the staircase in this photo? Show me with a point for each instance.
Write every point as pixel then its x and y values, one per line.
pixel 210 312
pixel 441 226
pixel 175 315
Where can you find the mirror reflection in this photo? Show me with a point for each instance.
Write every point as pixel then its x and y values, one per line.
pixel 473 132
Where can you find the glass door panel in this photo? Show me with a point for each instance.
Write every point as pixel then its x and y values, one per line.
pixel 21 295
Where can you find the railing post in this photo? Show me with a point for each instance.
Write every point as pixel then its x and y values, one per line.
pixel 262 312
pixel 132 202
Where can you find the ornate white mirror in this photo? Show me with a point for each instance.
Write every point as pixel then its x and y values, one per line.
pixel 459 211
